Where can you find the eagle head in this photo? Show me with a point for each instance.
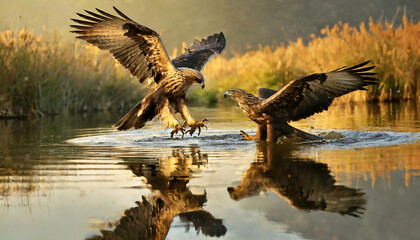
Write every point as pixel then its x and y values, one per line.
pixel 241 96
pixel 231 93
pixel 193 76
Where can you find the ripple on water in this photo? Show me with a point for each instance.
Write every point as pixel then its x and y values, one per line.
pixel 229 140
pixel 365 139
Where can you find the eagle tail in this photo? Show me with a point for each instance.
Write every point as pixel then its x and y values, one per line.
pixel 133 119
pixel 305 135
pixel 291 131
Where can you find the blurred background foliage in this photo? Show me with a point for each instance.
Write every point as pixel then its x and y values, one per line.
pixel 44 70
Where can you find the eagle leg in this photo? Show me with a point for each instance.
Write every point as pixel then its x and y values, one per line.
pixel 274 131
pixel 186 115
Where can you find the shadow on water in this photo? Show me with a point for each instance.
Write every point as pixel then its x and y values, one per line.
pixel 304 183
pixel 170 196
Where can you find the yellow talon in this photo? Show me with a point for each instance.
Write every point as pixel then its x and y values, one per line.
pixel 245 136
pixel 176 129
pixel 197 125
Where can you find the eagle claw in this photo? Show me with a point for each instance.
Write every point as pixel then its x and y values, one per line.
pixel 197 125
pixel 176 129
pixel 245 136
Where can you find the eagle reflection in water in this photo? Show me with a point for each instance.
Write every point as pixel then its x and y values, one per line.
pixel 304 183
pixel 167 180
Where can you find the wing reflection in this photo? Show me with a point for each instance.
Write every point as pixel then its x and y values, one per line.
pixel 304 183
pixel 167 179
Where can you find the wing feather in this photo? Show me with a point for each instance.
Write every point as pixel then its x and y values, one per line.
pixel 314 93
pixel 95 20
pixel 201 51
pixel 265 92
pixel 136 47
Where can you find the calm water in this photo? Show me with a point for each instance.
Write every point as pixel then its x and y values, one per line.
pixel 73 177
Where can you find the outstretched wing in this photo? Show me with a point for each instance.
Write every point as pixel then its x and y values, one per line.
pixel 314 93
pixel 265 92
pixel 136 47
pixel 201 51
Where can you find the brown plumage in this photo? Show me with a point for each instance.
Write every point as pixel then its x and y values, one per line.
pixel 140 50
pixel 301 98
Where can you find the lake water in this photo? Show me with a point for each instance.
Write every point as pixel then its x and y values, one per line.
pixel 74 177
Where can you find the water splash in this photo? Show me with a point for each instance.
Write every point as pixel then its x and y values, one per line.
pixel 228 140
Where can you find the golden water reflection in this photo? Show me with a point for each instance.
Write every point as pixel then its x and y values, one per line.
pixel 351 166
pixel 401 117
pixel 167 178
pixel 304 183
pixel 114 190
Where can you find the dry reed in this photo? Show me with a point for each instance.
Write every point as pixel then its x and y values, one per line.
pixel 40 77
pixel 394 50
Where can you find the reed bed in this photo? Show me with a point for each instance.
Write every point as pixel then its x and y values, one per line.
pixel 39 77
pixel 394 50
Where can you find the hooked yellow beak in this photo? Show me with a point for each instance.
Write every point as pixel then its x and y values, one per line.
pixel 227 93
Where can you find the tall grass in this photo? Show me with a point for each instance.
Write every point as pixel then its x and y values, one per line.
pixel 394 50
pixel 41 76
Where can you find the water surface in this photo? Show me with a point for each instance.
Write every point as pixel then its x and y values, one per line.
pixel 74 177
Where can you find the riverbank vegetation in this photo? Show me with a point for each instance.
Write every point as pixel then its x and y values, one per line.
pixel 394 50
pixel 41 76
pixel 48 76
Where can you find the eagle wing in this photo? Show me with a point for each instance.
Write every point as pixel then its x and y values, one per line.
pixel 303 97
pixel 136 47
pixel 201 51
pixel 265 92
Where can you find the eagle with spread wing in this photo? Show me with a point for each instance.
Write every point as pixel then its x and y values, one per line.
pixel 140 50
pixel 299 99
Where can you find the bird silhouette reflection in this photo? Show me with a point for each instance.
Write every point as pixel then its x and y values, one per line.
pixel 170 196
pixel 304 183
